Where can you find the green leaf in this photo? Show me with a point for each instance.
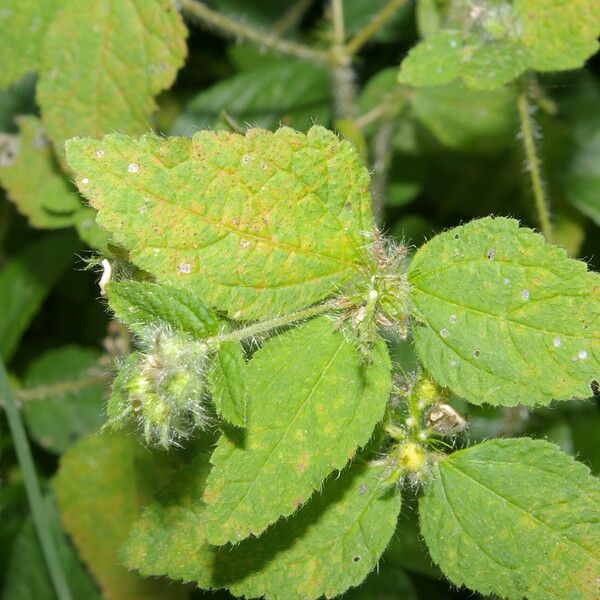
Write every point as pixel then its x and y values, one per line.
pixel 102 483
pixel 329 545
pixel 465 119
pixel 139 304
pixel 63 396
pixel 27 574
pixel 25 281
pixel 23 24
pixel 227 380
pixel 490 44
pixel 293 93
pixel 104 61
pixel 516 518
pixel 448 55
pixel 30 162
pixel 256 224
pixel 311 403
pixel 503 317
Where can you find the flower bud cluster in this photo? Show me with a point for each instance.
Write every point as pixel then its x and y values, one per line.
pixel 161 390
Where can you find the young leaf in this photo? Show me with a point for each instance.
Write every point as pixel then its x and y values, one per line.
pixel 139 304
pixel 50 205
pixel 104 61
pixel 489 45
pixel 312 402
pixel 23 24
pixel 503 317
pixel 227 380
pixel 26 574
pixel 516 518
pixel 63 396
pixel 102 483
pixel 26 279
pixel 258 224
pixel 328 546
pixel 294 93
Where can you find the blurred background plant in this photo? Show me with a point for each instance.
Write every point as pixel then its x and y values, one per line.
pixel 511 127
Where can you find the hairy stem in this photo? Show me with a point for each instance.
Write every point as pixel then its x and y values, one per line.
pixel 292 16
pixel 230 27
pixel 382 158
pixel 261 327
pixel 372 27
pixel 533 163
pixel 32 488
pixel 61 388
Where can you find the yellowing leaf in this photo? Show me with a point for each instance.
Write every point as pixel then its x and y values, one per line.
pixel 256 224
pixel 504 317
pixel 33 179
pixel 23 24
pixel 311 403
pixel 516 518
pixel 103 61
pixel 102 483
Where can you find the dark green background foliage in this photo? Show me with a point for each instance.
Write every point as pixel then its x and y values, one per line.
pixel 445 140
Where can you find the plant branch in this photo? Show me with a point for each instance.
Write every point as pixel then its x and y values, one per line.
pixel 372 27
pixel 61 388
pixel 292 16
pixel 534 164
pixel 32 488
pixel 230 27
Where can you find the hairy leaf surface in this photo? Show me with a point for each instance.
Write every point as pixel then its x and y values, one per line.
pixel 311 403
pixel 104 61
pixel 328 546
pixel 504 317
pixel 33 179
pixel 258 224
pixel 102 483
pixel 227 379
pixel 139 304
pixel 516 518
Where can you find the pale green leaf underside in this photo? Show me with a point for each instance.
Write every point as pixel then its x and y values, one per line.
pixel 103 61
pixel 516 518
pixel 258 224
pixel 23 24
pixel 101 486
pixel 490 45
pixel 227 380
pixel 504 317
pixel 311 403
pixel 63 393
pixel 142 304
pixel 328 546
pixel 51 205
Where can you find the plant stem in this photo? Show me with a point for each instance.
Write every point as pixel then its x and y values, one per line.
pixel 261 327
pixel 382 158
pixel 230 27
pixel 34 495
pixel 61 388
pixel 337 18
pixel 534 164
pixel 372 27
pixel 292 16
